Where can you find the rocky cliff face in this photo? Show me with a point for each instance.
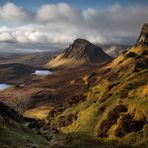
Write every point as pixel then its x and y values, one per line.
pixel 79 53
pixel 143 38
pixel 83 49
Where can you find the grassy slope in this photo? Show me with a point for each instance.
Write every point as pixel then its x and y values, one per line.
pixel 14 133
pixel 130 90
pixel 19 137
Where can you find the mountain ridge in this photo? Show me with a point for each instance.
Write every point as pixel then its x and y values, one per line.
pixel 81 52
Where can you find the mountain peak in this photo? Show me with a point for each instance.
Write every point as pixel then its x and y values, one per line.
pixel 81 41
pixel 80 52
pixel 83 49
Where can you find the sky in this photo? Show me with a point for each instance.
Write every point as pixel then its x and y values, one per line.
pixel 42 25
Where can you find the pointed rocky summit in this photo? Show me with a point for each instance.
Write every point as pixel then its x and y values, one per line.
pixel 143 38
pixel 79 53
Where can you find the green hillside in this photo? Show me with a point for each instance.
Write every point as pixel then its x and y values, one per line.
pixel 117 107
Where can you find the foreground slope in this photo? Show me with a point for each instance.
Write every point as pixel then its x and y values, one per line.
pixel 14 133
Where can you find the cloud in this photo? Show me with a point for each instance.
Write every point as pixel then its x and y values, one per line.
pixel 60 12
pixel 11 12
pixel 54 26
pixel 117 23
pixel 5 37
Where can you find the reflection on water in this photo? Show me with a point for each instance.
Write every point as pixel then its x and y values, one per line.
pixel 42 72
pixel 4 86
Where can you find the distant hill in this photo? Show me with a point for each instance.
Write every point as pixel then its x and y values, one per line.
pixel 81 52
pixel 114 50
pixel 14 71
pixel 31 59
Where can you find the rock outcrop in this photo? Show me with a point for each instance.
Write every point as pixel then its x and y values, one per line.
pixel 143 38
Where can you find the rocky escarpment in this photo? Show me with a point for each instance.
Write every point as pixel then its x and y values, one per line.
pixel 81 52
pixel 83 49
pixel 143 38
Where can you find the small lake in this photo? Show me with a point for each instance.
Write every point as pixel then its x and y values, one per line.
pixel 4 86
pixel 42 72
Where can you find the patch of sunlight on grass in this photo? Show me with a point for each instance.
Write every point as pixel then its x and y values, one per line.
pixel 85 122
pixel 38 113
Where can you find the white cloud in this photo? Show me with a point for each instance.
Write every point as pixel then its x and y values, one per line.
pixel 57 25
pixel 38 37
pixel 60 12
pixel 6 37
pixel 89 13
pixel 11 12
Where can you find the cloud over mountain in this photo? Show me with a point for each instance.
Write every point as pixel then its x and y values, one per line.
pixel 56 25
